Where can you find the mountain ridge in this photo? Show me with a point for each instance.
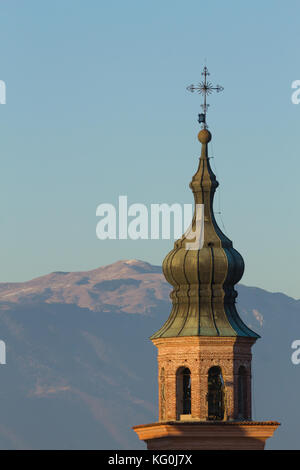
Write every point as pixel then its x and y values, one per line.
pixel 122 269
pixel 114 284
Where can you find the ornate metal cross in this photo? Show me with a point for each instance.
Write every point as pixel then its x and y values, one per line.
pixel 204 88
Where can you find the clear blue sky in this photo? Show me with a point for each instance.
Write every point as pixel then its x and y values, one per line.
pixel 97 107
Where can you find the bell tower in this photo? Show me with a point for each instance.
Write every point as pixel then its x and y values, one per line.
pixel 204 347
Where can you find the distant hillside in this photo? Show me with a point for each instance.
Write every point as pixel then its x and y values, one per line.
pixel 126 286
pixel 81 371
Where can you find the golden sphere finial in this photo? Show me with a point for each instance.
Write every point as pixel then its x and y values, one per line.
pixel 204 136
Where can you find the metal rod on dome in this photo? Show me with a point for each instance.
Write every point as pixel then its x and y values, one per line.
pixel 204 88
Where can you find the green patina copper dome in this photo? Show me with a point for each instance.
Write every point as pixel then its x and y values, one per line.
pixel 203 279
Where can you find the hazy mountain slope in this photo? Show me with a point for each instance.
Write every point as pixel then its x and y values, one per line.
pixel 80 370
pixel 127 286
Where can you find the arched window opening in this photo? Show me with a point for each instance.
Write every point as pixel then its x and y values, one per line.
pixel 183 395
pixel 215 395
pixel 242 393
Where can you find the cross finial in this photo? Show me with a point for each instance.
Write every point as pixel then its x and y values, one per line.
pixel 204 88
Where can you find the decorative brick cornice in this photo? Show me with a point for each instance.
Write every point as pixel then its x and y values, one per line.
pixel 229 435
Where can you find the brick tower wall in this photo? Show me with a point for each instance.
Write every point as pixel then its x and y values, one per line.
pixel 199 354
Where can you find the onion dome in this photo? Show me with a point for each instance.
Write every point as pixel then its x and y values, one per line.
pixel 203 277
